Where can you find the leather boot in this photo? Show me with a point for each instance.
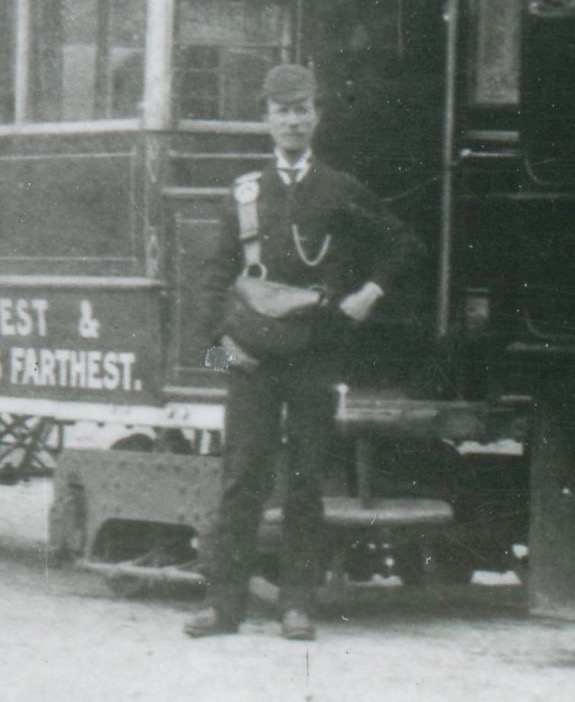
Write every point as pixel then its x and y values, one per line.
pixel 297 626
pixel 210 621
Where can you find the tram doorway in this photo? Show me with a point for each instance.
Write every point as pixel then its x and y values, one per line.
pixel 380 67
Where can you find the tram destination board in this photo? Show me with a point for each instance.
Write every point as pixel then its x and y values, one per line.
pixel 80 344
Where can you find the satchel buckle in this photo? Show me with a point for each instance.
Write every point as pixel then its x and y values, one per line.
pixel 255 270
pixel 324 298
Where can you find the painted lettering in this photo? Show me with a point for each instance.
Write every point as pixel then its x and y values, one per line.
pixel 30 374
pixel 126 361
pixel 70 368
pixel 62 357
pixel 6 321
pixel 47 367
pixel 88 327
pixel 77 369
pixel 94 364
pixel 40 307
pixel 24 323
pixel 22 317
pixel 16 364
pixel 111 378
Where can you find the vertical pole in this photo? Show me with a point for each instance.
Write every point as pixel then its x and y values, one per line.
pixel 443 301
pixel 551 571
pixel 22 60
pixel 298 31
pixel 287 34
pixel 158 67
pixel 102 80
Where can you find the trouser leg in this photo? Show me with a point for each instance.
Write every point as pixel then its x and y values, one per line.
pixel 310 433
pixel 252 420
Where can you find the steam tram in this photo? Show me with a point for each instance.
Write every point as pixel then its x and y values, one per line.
pixel 122 125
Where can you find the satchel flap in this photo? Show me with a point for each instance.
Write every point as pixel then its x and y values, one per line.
pixel 275 300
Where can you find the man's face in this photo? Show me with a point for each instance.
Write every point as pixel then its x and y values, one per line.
pixel 292 124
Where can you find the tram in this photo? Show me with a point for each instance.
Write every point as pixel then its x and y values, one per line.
pixel 123 124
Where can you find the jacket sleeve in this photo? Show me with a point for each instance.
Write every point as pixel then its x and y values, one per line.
pixel 222 266
pixel 389 248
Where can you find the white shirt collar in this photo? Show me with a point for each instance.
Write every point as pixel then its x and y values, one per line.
pixel 300 168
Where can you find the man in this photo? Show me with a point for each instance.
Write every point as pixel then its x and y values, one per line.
pixel 315 228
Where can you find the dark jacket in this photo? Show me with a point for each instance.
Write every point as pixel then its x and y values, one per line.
pixel 368 243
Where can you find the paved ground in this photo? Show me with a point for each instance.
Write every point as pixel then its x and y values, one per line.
pixel 64 637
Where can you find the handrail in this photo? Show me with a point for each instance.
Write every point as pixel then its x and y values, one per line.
pixel 107 126
pixel 491 135
pixel 544 9
pixel 158 64
pixel 79 281
pixel 444 285
pixel 133 124
pixel 176 192
pixel 221 155
pixel 22 59
pixel 208 126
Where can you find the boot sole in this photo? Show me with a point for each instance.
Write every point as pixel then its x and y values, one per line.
pixel 199 632
pixel 299 635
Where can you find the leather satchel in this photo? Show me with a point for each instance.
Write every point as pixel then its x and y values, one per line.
pixel 264 317
pixel 268 318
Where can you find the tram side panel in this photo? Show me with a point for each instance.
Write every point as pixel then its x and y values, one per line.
pixel 79 321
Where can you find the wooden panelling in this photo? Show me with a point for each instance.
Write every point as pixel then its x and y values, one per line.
pixel 69 208
pixel 214 160
pixel 53 211
pixel 202 167
pixel 214 169
pixel 195 230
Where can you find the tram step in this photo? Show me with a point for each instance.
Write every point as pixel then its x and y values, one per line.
pixel 156 574
pixel 378 512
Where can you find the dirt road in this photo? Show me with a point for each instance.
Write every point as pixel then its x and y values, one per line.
pixel 64 637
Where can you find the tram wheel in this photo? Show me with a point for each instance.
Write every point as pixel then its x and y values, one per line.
pixel 134 442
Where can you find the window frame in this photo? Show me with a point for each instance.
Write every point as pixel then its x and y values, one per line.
pixel 22 123
pixel 158 109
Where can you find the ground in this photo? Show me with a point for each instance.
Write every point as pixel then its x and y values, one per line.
pixel 64 636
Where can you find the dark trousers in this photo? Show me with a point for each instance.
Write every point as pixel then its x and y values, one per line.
pixel 253 434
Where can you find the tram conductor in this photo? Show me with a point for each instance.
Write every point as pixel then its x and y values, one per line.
pixel 319 230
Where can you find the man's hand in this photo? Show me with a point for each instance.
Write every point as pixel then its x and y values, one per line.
pixel 359 305
pixel 236 356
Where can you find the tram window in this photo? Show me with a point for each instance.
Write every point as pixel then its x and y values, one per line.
pixel 225 49
pixel 222 83
pixel 78 59
pixel 494 79
pixel 200 82
pixel 102 50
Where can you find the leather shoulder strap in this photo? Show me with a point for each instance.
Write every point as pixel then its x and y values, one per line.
pixel 246 192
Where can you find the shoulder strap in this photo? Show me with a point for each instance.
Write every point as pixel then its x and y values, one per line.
pixel 246 193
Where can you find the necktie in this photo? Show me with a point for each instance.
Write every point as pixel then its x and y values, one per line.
pixel 290 175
